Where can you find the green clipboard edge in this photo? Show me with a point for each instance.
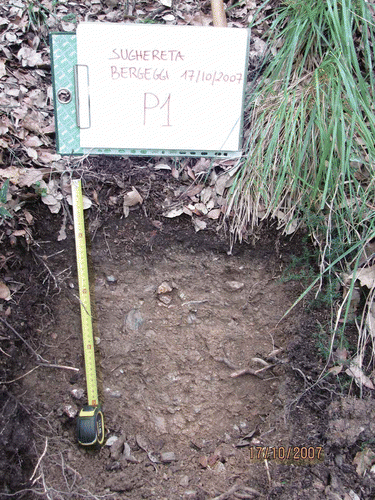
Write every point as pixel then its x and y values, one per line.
pixel 63 60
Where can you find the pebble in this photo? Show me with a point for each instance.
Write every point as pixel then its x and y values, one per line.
pixel 165 299
pixel 70 410
pixel 184 481
pixel 111 440
pixel 133 320
pixel 192 317
pixel 190 494
pixel 164 288
pixel 111 279
pixel 117 448
pixel 168 456
pixel 219 468
pixel 234 285
pixel 78 393
pixel 160 424
pixel 113 393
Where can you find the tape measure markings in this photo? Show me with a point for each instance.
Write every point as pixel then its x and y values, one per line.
pixel 84 293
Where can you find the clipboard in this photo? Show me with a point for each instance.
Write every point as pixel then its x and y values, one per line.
pixel 149 90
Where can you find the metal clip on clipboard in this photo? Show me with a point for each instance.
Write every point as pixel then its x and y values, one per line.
pixel 82 95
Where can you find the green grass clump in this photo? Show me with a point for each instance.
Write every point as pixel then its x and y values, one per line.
pixel 310 156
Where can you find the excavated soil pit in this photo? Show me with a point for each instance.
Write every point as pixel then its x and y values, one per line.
pixel 177 320
pixel 182 329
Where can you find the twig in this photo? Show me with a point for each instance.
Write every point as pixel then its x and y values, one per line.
pixel 39 460
pixel 82 304
pixel 251 371
pixel 247 492
pixel 39 357
pixel 5 353
pixel 227 362
pixel 19 378
pixel 48 269
pixel 63 367
pixel 106 242
pixel 227 494
pixel 268 471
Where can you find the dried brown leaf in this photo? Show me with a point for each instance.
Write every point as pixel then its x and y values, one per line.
pixel 4 291
pixel 356 372
pixel 194 190
pixel 32 141
pixel 3 70
pixel 199 224
pixel 29 218
pixel 200 208
pixel 335 370
pixel 174 212
pixel 214 214
pixel 363 460
pixel 31 153
pixel 29 57
pixel 222 182
pixel 132 198
pixel 206 194
pixel 30 176
pixel 46 157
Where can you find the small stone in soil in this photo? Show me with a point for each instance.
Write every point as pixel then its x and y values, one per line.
pixel 112 393
pixel 164 288
pixel 117 448
pixel 78 393
pixel 165 299
pixel 133 320
pixel 234 285
pixel 168 456
pixel 70 410
pixel 111 440
pixel 184 481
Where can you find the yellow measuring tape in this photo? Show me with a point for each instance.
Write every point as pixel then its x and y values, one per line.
pixel 90 422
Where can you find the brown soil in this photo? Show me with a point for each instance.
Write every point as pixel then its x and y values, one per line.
pixel 187 428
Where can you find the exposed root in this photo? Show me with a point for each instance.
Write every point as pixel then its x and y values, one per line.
pixel 239 491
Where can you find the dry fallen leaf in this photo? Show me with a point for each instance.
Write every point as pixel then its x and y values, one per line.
pixel 370 320
pixel 364 460
pixel 132 198
pixel 169 17
pixel 29 57
pixel 356 372
pixel 87 203
pixel 175 212
pixel 366 276
pixel 222 182
pixel 29 218
pixel 214 214
pixel 335 370
pixel 47 157
pixel 3 70
pixel 4 291
pixel 32 141
pixel 199 224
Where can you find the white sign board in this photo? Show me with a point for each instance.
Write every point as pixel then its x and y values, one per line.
pixel 160 87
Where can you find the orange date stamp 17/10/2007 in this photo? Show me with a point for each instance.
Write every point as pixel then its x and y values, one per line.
pixel 287 455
